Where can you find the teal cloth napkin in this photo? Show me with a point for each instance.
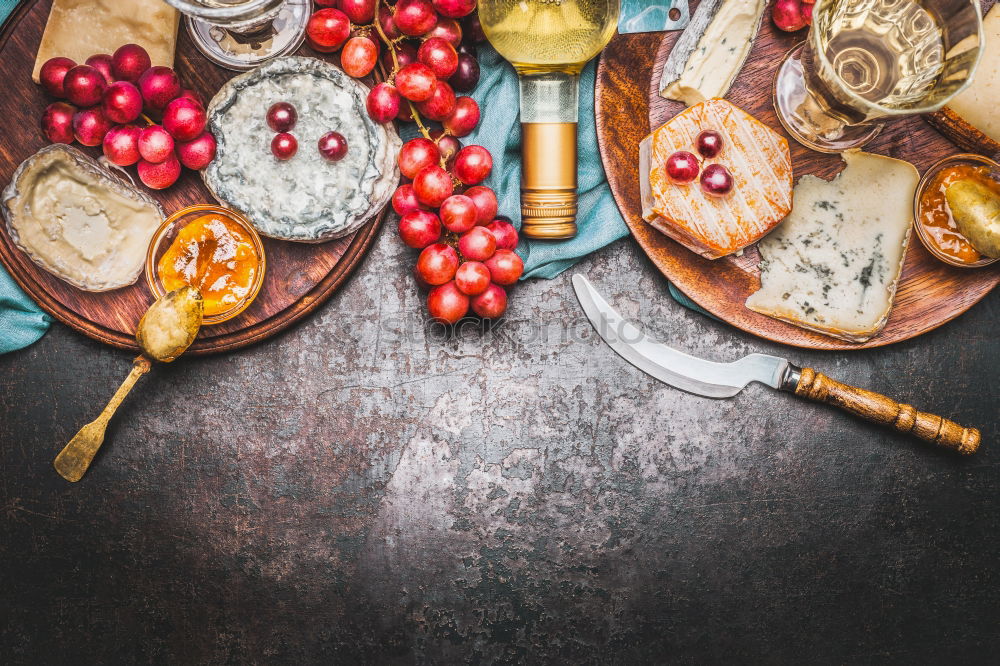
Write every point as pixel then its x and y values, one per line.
pixel 21 321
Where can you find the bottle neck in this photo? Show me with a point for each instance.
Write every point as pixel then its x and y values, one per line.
pixel 550 97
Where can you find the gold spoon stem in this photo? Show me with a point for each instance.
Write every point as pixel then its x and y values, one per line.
pixel 73 461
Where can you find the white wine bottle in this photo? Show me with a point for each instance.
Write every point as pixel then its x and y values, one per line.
pixel 548 42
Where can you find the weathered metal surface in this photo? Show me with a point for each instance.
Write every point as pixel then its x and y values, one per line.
pixel 361 489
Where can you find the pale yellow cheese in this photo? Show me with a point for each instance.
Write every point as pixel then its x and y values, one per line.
pixel 977 104
pixel 78 29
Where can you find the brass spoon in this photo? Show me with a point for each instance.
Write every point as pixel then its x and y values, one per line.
pixel 165 331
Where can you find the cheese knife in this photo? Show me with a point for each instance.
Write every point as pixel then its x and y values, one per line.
pixel 724 380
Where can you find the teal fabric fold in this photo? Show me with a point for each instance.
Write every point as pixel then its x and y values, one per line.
pixel 21 321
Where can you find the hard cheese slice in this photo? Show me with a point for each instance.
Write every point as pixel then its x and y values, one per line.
pixel 78 29
pixel 832 266
pixel 709 54
pixel 758 159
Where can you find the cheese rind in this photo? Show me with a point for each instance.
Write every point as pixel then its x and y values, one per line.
pixel 833 264
pixel 78 29
pixel 977 104
pixel 709 54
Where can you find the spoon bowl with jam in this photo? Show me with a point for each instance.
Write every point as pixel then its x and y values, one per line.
pixel 213 249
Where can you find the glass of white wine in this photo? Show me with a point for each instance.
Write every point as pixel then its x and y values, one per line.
pixel 241 34
pixel 548 42
pixel 868 60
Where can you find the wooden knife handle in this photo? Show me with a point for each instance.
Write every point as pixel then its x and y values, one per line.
pixel 880 409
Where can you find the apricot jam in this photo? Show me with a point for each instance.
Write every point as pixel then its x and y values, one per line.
pixel 215 254
pixel 935 216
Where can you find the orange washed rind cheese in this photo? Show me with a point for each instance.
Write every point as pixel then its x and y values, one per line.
pixel 755 155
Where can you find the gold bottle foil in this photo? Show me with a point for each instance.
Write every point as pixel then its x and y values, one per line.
pixel 548 180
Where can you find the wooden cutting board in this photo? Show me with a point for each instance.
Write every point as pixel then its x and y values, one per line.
pixel 299 277
pixel 628 104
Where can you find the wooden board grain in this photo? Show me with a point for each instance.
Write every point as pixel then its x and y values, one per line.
pixel 300 276
pixel 628 104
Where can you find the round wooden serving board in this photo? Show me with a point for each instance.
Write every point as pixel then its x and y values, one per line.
pixel 299 277
pixel 628 104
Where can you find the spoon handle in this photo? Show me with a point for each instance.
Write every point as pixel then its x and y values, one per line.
pixel 73 461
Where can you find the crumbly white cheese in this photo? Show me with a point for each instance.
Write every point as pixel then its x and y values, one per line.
pixel 709 54
pixel 79 222
pixel 978 103
pixel 832 265
pixel 306 198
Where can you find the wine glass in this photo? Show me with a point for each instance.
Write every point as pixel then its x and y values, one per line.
pixel 241 34
pixel 868 60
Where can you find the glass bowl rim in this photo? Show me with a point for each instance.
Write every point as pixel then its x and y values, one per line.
pixel 925 179
pixel 152 277
pixel 234 12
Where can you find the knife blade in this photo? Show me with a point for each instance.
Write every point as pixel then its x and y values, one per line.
pixel 724 380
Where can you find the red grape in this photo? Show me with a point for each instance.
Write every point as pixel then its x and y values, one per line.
pixel 417 154
pixel 130 62
pixel 473 164
pixel 155 144
pixel 405 114
pixel 327 30
pixel 184 119
pixel 416 82
pixel 414 17
pixel 419 228
pixel 57 122
pixel 387 22
pixel 121 145
pixel 359 56
pixel 709 143
pixel 192 95
pixel 122 102
pixel 197 153
pixel 404 200
pixel 465 117
pixel 454 8
pixel 472 278
pixel 491 304
pixel 383 103
pixel 716 180
pixel 52 75
pixel 84 86
pixel 159 85
pixel 433 185
pixel 281 117
pixel 447 303
pixel 440 104
pixel 440 56
pixel 102 63
pixel 90 126
pixel 437 263
pixel 333 146
pixel 478 244
pixel 473 29
pixel 406 53
pixel 466 76
pixel 486 203
pixel 159 176
pixel 359 11
pixel 447 29
pixel 447 144
pixel 458 213
pixel 284 146
pixel 505 267
pixel 505 234
pixel 682 167
pixel 328 3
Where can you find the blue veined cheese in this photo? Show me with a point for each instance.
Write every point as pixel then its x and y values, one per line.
pixel 710 52
pixel 833 264
pixel 306 198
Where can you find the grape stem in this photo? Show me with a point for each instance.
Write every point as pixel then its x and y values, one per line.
pixel 391 45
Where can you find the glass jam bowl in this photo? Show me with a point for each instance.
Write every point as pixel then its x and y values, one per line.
pixel 216 245
pixel 972 161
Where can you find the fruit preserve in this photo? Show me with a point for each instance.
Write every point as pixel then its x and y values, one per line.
pixel 215 254
pixel 934 215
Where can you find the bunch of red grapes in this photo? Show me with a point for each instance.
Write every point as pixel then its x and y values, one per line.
pixel 427 47
pixel 105 99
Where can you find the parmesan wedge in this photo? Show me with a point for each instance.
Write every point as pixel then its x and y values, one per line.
pixel 833 264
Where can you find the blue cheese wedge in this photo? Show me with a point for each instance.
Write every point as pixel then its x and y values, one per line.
pixel 306 198
pixel 833 264
pixel 710 52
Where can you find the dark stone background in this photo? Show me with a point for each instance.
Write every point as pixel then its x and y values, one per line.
pixel 357 490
